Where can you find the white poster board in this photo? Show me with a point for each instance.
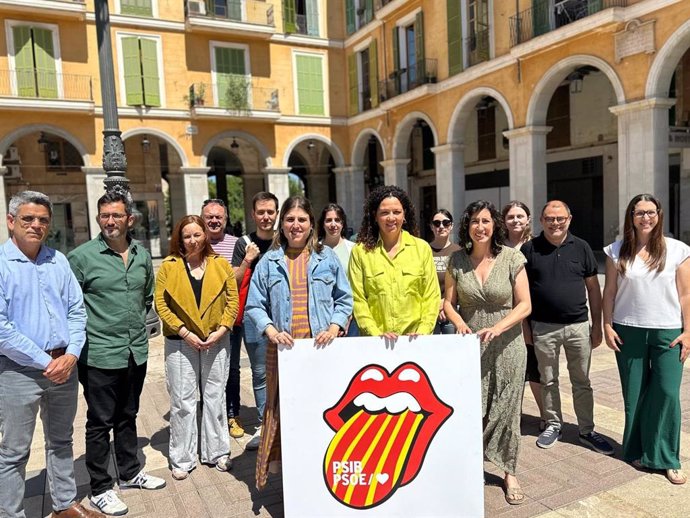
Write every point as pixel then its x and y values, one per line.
pixel 376 429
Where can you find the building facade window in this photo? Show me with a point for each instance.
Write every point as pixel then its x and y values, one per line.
pixel 301 17
pixel 309 84
pixel 141 71
pixel 230 9
pixel 358 13
pixel 36 69
pixel 137 7
pixel 231 76
pixel 363 78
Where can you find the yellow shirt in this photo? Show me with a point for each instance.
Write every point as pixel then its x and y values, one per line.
pixel 398 295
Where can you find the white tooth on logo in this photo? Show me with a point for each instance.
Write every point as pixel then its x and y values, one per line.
pixel 394 404
pixel 371 374
pixel 409 375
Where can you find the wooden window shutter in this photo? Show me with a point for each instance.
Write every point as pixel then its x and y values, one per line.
pixel 352 78
pixel 455 64
pixel 373 73
pixel 44 54
pixel 136 7
pixel 289 16
pixel 149 69
pixel 312 17
pixel 24 61
pixel 134 91
pixel 350 16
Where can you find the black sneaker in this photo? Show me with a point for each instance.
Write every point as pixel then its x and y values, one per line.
pixel 549 437
pixel 597 443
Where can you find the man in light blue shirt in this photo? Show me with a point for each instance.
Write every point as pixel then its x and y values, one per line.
pixel 42 332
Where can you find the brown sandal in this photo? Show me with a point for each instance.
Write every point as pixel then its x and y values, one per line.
pixel 514 495
pixel 676 476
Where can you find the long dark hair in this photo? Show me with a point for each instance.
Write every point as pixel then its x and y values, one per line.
pixel 340 212
pixel 656 247
pixel 297 202
pixel 176 243
pixel 369 231
pixel 527 233
pixel 499 234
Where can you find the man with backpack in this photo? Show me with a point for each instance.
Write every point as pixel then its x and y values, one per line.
pixel 248 250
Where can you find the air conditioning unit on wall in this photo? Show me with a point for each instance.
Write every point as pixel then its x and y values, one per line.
pixel 13 171
pixel 196 7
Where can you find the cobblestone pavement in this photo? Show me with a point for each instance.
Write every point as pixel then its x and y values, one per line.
pixel 567 480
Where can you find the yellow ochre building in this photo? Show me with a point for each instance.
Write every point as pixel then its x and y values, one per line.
pixel 454 100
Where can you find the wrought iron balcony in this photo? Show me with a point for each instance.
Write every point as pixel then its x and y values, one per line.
pixel 236 95
pixel 40 84
pixel 548 15
pixel 477 47
pixel 253 12
pixel 406 79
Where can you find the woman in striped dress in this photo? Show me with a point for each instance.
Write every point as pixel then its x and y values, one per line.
pixel 286 302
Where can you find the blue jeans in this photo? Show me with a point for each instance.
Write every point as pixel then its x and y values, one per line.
pixel 23 392
pixel 257 360
pixel 232 389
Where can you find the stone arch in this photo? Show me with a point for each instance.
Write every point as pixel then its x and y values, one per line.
pixel 665 62
pixel 360 144
pixel 11 137
pixel 544 89
pixel 463 110
pixel 332 147
pixel 402 132
pixel 213 141
pixel 161 135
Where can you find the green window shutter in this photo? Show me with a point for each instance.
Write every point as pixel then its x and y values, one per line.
pixel 540 17
pixel 594 6
pixel 454 37
pixel 24 61
pixel 235 10
pixel 368 11
pixel 419 47
pixel 44 54
pixel 136 7
pixel 229 64
pixel 350 16
pixel 134 91
pixel 289 17
pixel 396 49
pixel 149 69
pixel 373 74
pixel 313 17
pixel 352 78
pixel 310 85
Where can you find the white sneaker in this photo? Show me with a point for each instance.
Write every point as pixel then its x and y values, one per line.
pixel 143 481
pixel 109 503
pixel 224 463
pixel 255 441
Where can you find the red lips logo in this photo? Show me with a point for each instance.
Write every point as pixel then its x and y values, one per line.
pixel 383 425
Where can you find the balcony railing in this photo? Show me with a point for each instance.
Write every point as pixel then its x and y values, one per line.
pixel 477 47
pixel 254 12
pixel 406 79
pixel 548 15
pixel 39 84
pixel 237 95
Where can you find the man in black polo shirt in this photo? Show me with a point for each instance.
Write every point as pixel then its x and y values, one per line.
pixel 562 272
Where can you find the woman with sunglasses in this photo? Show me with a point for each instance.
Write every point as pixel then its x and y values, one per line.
pixel 647 322
pixel 441 249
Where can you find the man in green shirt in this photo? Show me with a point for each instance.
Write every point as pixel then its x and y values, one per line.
pixel 116 275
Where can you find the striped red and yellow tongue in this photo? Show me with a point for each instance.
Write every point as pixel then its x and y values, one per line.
pixel 365 460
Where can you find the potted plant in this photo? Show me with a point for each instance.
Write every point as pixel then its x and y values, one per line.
pixel 237 92
pixel 196 96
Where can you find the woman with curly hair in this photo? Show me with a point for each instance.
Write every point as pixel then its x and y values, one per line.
pixel 647 322
pixel 488 282
pixel 392 273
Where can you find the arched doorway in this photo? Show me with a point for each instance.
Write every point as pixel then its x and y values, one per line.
pixel 225 182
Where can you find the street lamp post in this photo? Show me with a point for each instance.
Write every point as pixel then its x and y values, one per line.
pixel 114 159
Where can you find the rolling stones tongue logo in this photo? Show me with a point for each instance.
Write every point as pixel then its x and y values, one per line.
pixel 384 424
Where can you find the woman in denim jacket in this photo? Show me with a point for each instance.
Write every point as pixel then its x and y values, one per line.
pixel 299 289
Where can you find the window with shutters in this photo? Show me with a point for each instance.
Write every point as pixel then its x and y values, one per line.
pixel 478 29
pixel 309 71
pixel 34 54
pixel 140 69
pixel 137 7
pixel 301 17
pixel 358 13
pixel 363 77
pixel 231 75
pixel 411 69
pixel 558 117
pixel 230 9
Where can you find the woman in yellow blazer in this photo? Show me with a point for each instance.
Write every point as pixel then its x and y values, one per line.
pixel 196 298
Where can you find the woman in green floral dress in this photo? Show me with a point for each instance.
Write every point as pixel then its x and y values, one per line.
pixel 487 282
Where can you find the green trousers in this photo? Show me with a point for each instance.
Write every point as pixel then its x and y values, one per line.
pixel 650 373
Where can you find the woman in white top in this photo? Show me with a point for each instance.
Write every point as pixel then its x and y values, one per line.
pixel 646 301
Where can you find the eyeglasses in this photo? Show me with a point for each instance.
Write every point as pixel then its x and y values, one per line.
pixel 217 201
pixel 28 220
pixel 441 222
pixel 642 213
pixel 116 216
pixel 557 219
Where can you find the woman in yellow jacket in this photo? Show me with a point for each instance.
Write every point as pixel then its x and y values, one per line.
pixel 394 282
pixel 196 298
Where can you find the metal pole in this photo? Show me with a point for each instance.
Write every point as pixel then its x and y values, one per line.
pixel 114 160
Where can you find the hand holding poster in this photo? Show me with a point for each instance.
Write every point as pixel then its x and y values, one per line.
pixel 369 427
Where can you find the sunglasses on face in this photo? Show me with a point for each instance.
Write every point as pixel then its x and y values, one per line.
pixel 442 222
